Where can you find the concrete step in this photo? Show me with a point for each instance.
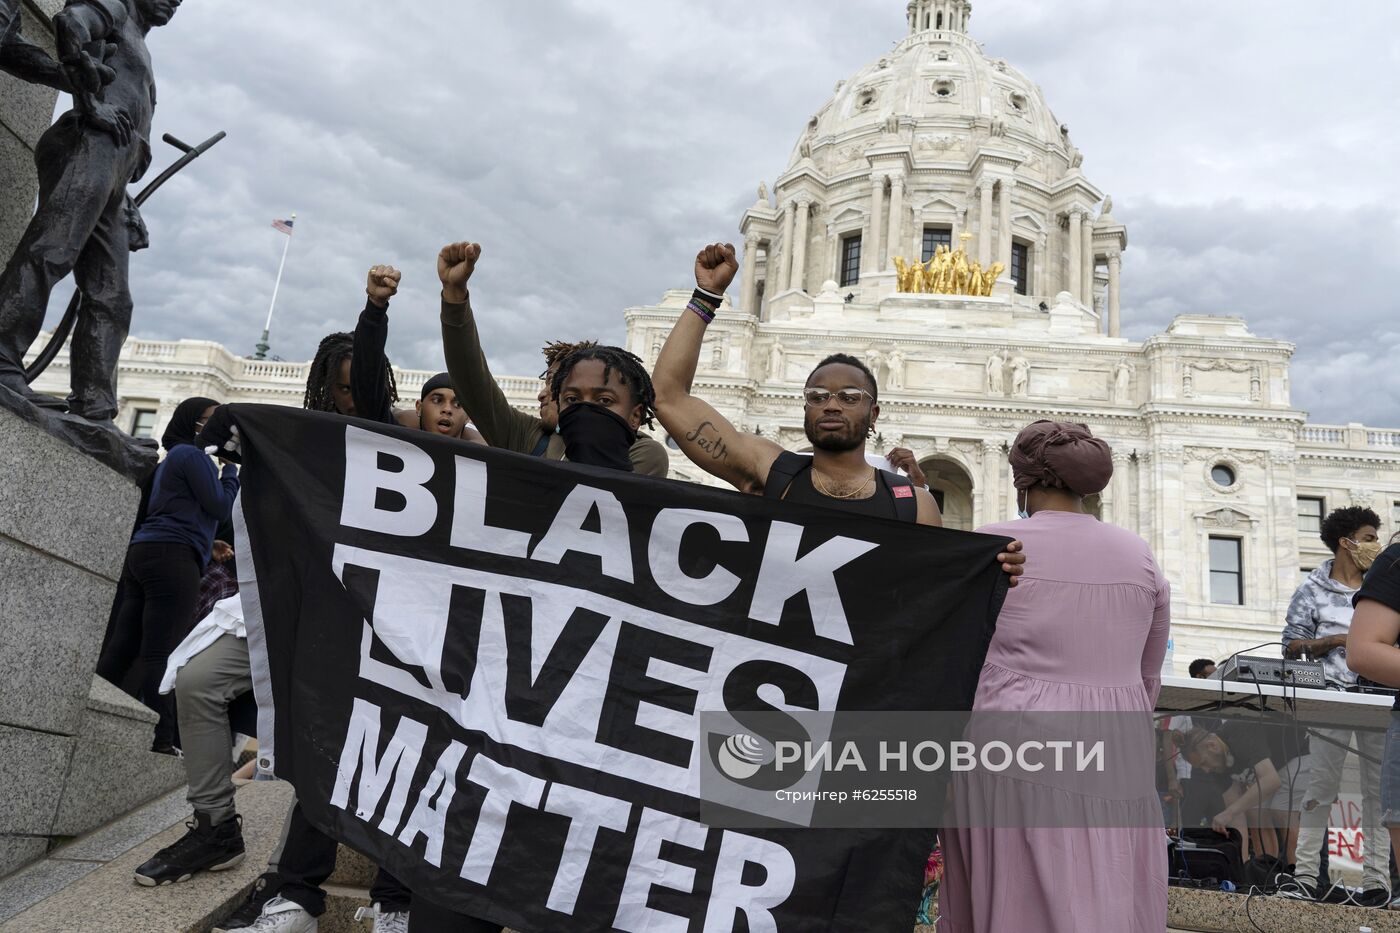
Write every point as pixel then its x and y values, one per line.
pixel 113 771
pixel 90 886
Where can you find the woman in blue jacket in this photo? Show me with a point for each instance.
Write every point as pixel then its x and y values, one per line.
pixel 167 556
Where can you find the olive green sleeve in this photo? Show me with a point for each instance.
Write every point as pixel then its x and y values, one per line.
pixel 502 425
pixel 649 457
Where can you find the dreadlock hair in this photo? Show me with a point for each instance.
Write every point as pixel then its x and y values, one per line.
pixel 846 359
pixel 320 380
pixel 629 368
pixel 556 350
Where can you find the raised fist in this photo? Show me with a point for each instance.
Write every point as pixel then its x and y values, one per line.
pixel 715 267
pixel 456 263
pixel 383 284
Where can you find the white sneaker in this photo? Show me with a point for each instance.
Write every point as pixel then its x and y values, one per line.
pixel 280 915
pixel 385 921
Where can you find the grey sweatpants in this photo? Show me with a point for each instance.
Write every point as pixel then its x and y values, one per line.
pixel 204 688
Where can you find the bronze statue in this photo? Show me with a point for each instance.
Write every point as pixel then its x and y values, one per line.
pixel 86 222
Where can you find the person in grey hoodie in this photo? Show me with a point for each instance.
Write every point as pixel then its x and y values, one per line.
pixel 1319 618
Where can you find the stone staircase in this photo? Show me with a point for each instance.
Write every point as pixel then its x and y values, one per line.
pixel 86 885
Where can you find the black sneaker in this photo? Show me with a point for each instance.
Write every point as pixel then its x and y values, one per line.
pixel 204 848
pixel 251 909
pixel 1371 897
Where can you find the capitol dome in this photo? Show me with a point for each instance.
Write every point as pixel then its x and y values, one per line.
pixel 935 143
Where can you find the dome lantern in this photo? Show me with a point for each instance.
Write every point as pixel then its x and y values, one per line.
pixel 939 16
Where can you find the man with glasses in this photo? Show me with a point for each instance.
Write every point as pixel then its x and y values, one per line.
pixel 841 409
pixel 502 425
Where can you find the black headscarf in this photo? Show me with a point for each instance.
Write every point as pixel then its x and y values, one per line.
pixel 182 427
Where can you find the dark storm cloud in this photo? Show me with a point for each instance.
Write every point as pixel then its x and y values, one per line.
pixel 592 146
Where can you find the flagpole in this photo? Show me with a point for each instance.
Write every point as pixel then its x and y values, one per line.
pixel 263 346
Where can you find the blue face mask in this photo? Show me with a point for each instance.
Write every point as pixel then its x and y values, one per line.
pixel 1021 507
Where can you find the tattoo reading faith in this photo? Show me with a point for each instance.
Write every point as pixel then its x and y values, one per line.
pixel 712 444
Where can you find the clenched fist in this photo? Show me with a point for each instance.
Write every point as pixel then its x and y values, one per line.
pixel 456 263
pixel 382 285
pixel 715 267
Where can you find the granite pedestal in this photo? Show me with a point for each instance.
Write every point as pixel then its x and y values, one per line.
pixel 64 525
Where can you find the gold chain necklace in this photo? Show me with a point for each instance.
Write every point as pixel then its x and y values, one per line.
pixel 825 490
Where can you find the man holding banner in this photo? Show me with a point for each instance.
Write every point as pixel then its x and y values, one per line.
pixel 842 407
pixel 486 671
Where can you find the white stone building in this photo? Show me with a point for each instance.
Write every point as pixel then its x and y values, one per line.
pixel 1215 467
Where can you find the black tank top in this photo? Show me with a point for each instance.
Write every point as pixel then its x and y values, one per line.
pixel 880 505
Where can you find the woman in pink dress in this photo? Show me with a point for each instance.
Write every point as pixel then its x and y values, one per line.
pixel 1084 633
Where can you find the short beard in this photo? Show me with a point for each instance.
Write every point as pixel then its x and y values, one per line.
pixel 835 443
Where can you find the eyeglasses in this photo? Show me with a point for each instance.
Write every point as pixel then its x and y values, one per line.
pixel 847 398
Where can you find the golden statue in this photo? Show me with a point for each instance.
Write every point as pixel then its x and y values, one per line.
pixel 901 275
pixel 989 279
pixel 947 272
pixel 918 278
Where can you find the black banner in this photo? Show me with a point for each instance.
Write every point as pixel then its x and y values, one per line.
pixel 486 671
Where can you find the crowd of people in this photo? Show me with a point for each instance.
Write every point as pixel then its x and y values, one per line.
pixel 1084 626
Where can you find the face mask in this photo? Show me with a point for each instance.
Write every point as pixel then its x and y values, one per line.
pixel 1022 500
pixel 596 436
pixel 1366 553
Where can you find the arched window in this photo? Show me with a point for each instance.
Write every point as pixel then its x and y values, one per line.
pixel 940 21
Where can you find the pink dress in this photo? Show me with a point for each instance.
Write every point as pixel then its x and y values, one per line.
pixel 1085 630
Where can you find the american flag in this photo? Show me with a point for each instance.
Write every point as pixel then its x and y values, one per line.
pixel 283 225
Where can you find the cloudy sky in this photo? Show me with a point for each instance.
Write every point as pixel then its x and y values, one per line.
pixel 591 145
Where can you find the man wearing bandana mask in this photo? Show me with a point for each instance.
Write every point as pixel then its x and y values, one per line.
pixel 498 421
pixel 1317 625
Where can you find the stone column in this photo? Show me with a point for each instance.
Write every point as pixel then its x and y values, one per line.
pixel 1115 269
pixel 984 236
pixel 1076 248
pixel 751 274
pixel 1004 222
pixel 785 260
pixel 1039 263
pixel 988 506
pixel 799 244
pixel 1119 499
pixel 1089 263
pixel 871 261
pixel 896 218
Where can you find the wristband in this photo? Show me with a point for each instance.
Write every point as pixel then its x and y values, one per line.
pixel 703 305
pixel 715 300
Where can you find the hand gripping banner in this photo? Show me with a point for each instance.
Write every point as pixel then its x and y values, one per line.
pixel 488 673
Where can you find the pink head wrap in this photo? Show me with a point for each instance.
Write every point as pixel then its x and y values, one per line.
pixel 1062 455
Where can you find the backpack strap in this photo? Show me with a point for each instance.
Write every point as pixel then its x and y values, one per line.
pixel 541 447
pixel 906 501
pixel 783 471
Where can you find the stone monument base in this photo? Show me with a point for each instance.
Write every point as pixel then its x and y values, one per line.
pixel 74 751
pixel 132 457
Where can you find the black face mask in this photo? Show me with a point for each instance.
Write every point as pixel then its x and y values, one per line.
pixel 596 436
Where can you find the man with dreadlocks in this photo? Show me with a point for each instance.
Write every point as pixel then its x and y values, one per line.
pixel 328 385
pixel 596 397
pixel 541 435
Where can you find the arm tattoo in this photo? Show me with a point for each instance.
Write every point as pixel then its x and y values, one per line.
pixel 710 442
